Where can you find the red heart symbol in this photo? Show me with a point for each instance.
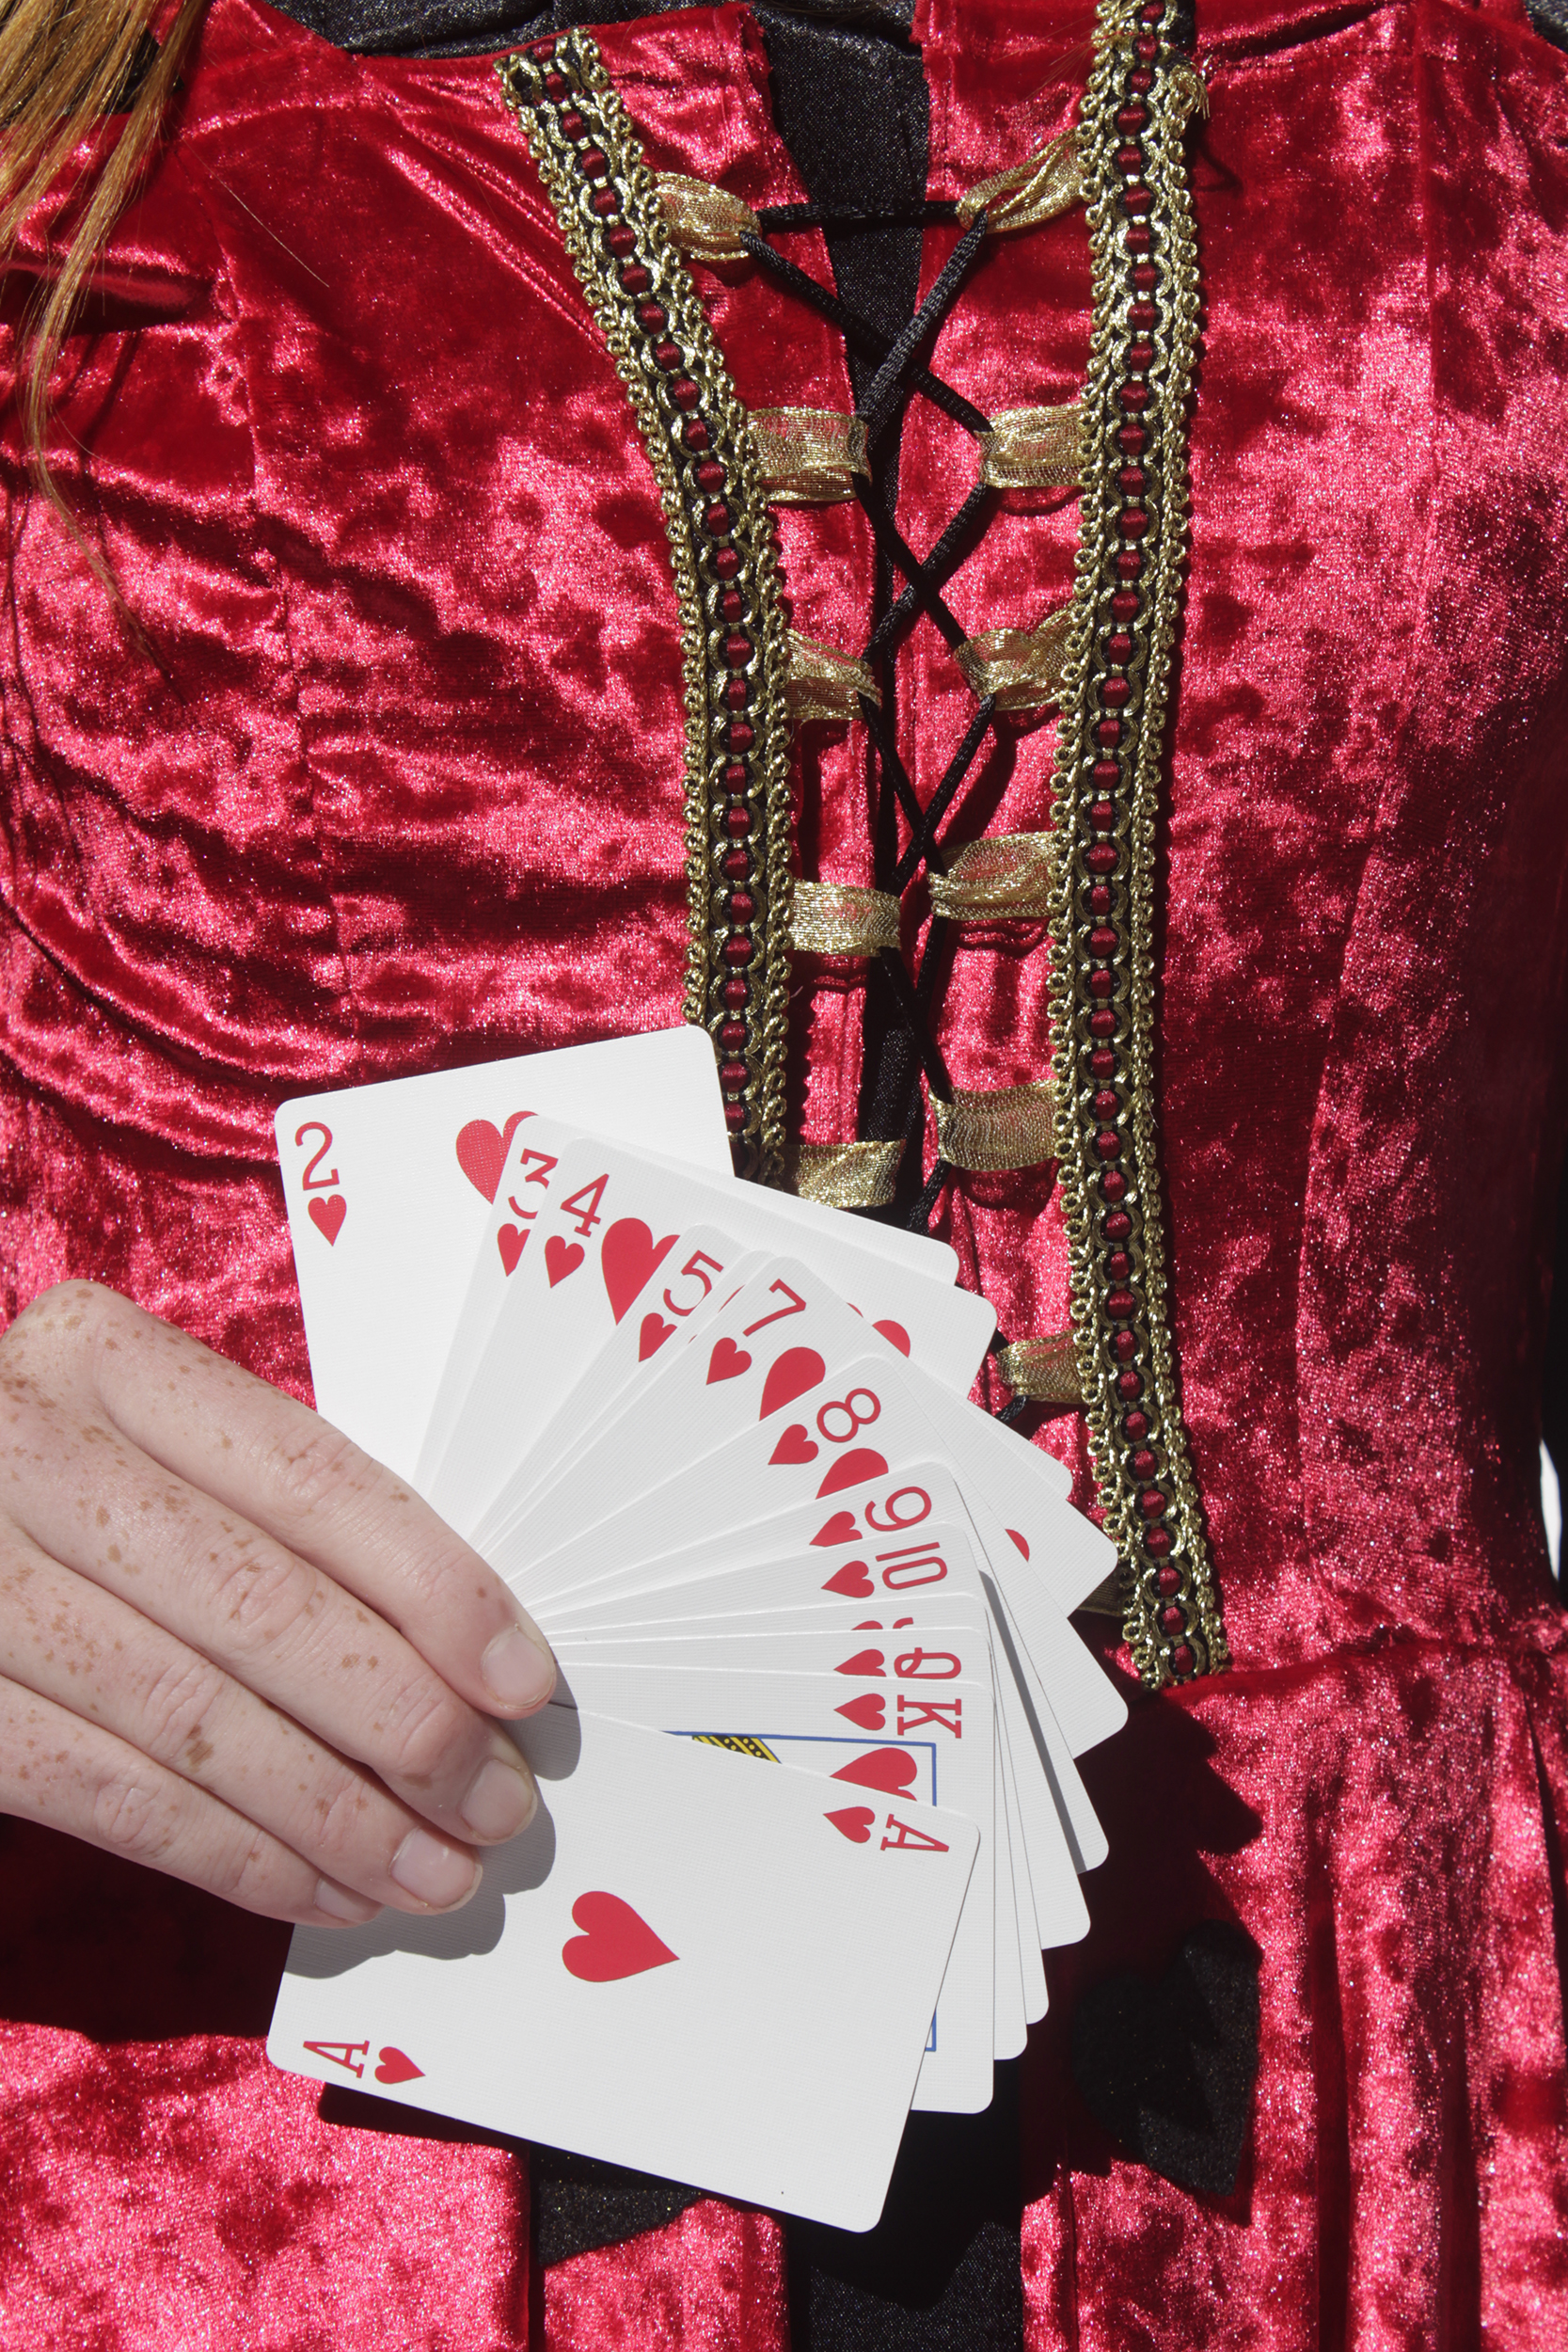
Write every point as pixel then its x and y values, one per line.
pixel 840 1528
pixel 509 1242
pixel 482 1152
pixel 627 1258
pixel 794 1446
pixel 615 1941
pixel 328 1215
pixel 396 2068
pixel 853 1581
pixel 869 1711
pixel 895 1335
pixel 891 1770
pixel 795 1371
pixel 652 1335
pixel 854 1823
pixel 562 1258
pixel 727 1362
pixel 852 1469
pixel 865 1662
pixel 1019 1541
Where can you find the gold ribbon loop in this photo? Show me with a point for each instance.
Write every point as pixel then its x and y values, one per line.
pixel 1189 92
pixel 1032 448
pixel 1049 183
pixel 809 456
pixel 1021 667
pixel 825 683
pixel 997 1127
pixel 1009 874
pixel 840 919
pixel 707 223
pixel 1044 1370
pixel 845 1175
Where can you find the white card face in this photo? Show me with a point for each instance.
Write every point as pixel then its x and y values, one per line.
pixel 800 1718
pixel 852 1426
pixel 388 1190
pixel 885 1576
pixel 555 1267
pixel 683 1965
pixel 1047 1790
pixel 568 1258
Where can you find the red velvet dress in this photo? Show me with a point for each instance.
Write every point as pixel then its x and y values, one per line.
pixel 394 780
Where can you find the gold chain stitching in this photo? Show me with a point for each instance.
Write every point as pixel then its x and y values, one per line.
pixel 760 1140
pixel 1160 1656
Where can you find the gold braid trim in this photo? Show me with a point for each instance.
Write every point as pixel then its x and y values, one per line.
pixel 734 637
pixel 1115 698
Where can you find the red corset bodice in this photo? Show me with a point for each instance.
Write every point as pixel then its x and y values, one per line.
pixel 388 774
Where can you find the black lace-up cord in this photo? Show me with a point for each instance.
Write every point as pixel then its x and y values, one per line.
pixel 937 570
pixel 858 330
pixel 897 381
pixel 924 849
pixel 897 773
pixel 888 392
pixel 901 557
pixel 777 219
pixel 898 377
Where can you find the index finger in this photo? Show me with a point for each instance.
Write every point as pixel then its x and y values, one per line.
pixel 289 1472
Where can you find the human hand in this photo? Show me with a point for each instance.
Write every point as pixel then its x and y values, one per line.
pixel 231 1646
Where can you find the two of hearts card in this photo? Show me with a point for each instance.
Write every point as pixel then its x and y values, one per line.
pixel 810 1802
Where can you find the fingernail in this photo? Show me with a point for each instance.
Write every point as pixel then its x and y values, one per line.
pixel 517 1673
pixel 499 1801
pixel 338 1903
pixel 440 1876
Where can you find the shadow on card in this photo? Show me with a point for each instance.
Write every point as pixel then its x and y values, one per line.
pixel 552 1741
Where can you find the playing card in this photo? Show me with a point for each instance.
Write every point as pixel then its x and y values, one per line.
pixel 578 1237
pixel 790 1715
pixel 562 1539
pixel 684 1965
pixel 388 1190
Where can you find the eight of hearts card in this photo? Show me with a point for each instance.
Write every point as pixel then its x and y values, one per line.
pixel 811 1608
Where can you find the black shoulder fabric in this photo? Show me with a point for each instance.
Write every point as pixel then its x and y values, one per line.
pixel 1550 20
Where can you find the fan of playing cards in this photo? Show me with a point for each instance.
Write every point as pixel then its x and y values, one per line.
pixel 717 1441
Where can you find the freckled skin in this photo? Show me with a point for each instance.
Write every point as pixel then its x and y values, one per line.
pixel 248 1719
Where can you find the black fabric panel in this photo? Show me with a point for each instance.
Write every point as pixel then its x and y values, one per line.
pixel 858 125
pixel 940 2272
pixel 579 2204
pixel 1169 2067
pixel 1554 1371
pixel 1550 20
